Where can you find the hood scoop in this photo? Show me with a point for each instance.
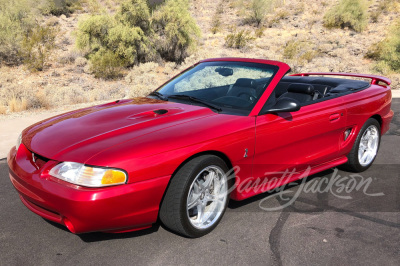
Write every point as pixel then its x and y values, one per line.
pixel 160 111
pixel 156 113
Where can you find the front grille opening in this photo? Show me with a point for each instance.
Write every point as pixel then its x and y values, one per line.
pixel 39 160
pixel 39 157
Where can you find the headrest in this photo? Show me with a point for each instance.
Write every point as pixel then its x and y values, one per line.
pixel 301 88
pixel 243 82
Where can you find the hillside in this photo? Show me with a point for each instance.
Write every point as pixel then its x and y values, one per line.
pixel 292 32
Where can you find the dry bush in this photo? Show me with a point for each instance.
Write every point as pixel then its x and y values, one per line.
pixel 106 64
pixel 255 11
pixel 301 50
pixel 3 110
pixel 350 14
pixel 279 15
pixel 144 79
pixel 16 18
pixel 136 34
pixel 69 58
pixel 37 45
pixel 216 20
pixel 176 30
pixel 238 39
pixel 21 97
pixel 94 7
pixel 59 7
pixel 259 32
pixel 387 51
pixel 66 95
pixel 17 105
pixel 40 101
pixel 215 24
pixel 81 62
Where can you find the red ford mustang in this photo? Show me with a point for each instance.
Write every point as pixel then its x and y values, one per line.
pixel 120 166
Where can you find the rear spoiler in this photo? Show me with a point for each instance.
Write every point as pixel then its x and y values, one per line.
pixel 374 78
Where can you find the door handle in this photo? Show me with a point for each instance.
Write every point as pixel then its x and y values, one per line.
pixel 334 117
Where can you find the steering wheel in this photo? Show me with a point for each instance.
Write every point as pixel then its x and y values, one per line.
pixel 248 96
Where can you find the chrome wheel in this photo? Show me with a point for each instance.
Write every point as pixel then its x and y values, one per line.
pixel 368 145
pixel 207 197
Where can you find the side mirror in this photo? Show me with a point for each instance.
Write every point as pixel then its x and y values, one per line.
pixel 284 105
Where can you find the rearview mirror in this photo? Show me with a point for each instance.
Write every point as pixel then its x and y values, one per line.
pixel 224 71
pixel 284 105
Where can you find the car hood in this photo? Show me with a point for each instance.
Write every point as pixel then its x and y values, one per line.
pixel 81 134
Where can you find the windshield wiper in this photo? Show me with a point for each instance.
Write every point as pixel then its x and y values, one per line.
pixel 194 99
pixel 159 95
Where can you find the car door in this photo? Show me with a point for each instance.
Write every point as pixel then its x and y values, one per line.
pixel 296 140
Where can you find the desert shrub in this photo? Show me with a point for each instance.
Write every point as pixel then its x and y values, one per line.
pixel 3 110
pixel 299 50
pixel 387 51
pixel 68 58
pixel 135 13
pixel 133 35
pixel 92 32
pixel 16 18
pixel 279 15
pixel 255 11
pixel 106 64
pixel 21 97
pixel 80 61
pixel 40 100
pixel 59 7
pixel 16 97
pixel 17 105
pixel 18 21
pixel 259 32
pixel 154 3
pixel 101 33
pixel 94 7
pixel 176 30
pixel 238 39
pixel 216 20
pixel 347 13
pixel 259 9
pixel 131 44
pixel 215 24
pixel 36 46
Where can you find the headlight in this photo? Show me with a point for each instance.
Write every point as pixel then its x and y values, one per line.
pixel 88 176
pixel 19 141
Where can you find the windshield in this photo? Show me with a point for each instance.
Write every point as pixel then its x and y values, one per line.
pixel 228 85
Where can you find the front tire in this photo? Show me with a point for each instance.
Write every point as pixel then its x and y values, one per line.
pixel 365 148
pixel 197 197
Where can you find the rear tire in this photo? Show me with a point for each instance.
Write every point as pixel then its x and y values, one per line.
pixel 365 148
pixel 197 197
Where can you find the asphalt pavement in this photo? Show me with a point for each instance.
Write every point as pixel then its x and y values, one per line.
pixel 352 221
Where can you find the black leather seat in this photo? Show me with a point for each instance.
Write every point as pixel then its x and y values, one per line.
pixel 244 88
pixel 301 92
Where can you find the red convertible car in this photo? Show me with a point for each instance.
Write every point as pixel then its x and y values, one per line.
pixel 121 166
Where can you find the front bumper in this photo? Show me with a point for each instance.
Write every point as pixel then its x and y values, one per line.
pixel 119 208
